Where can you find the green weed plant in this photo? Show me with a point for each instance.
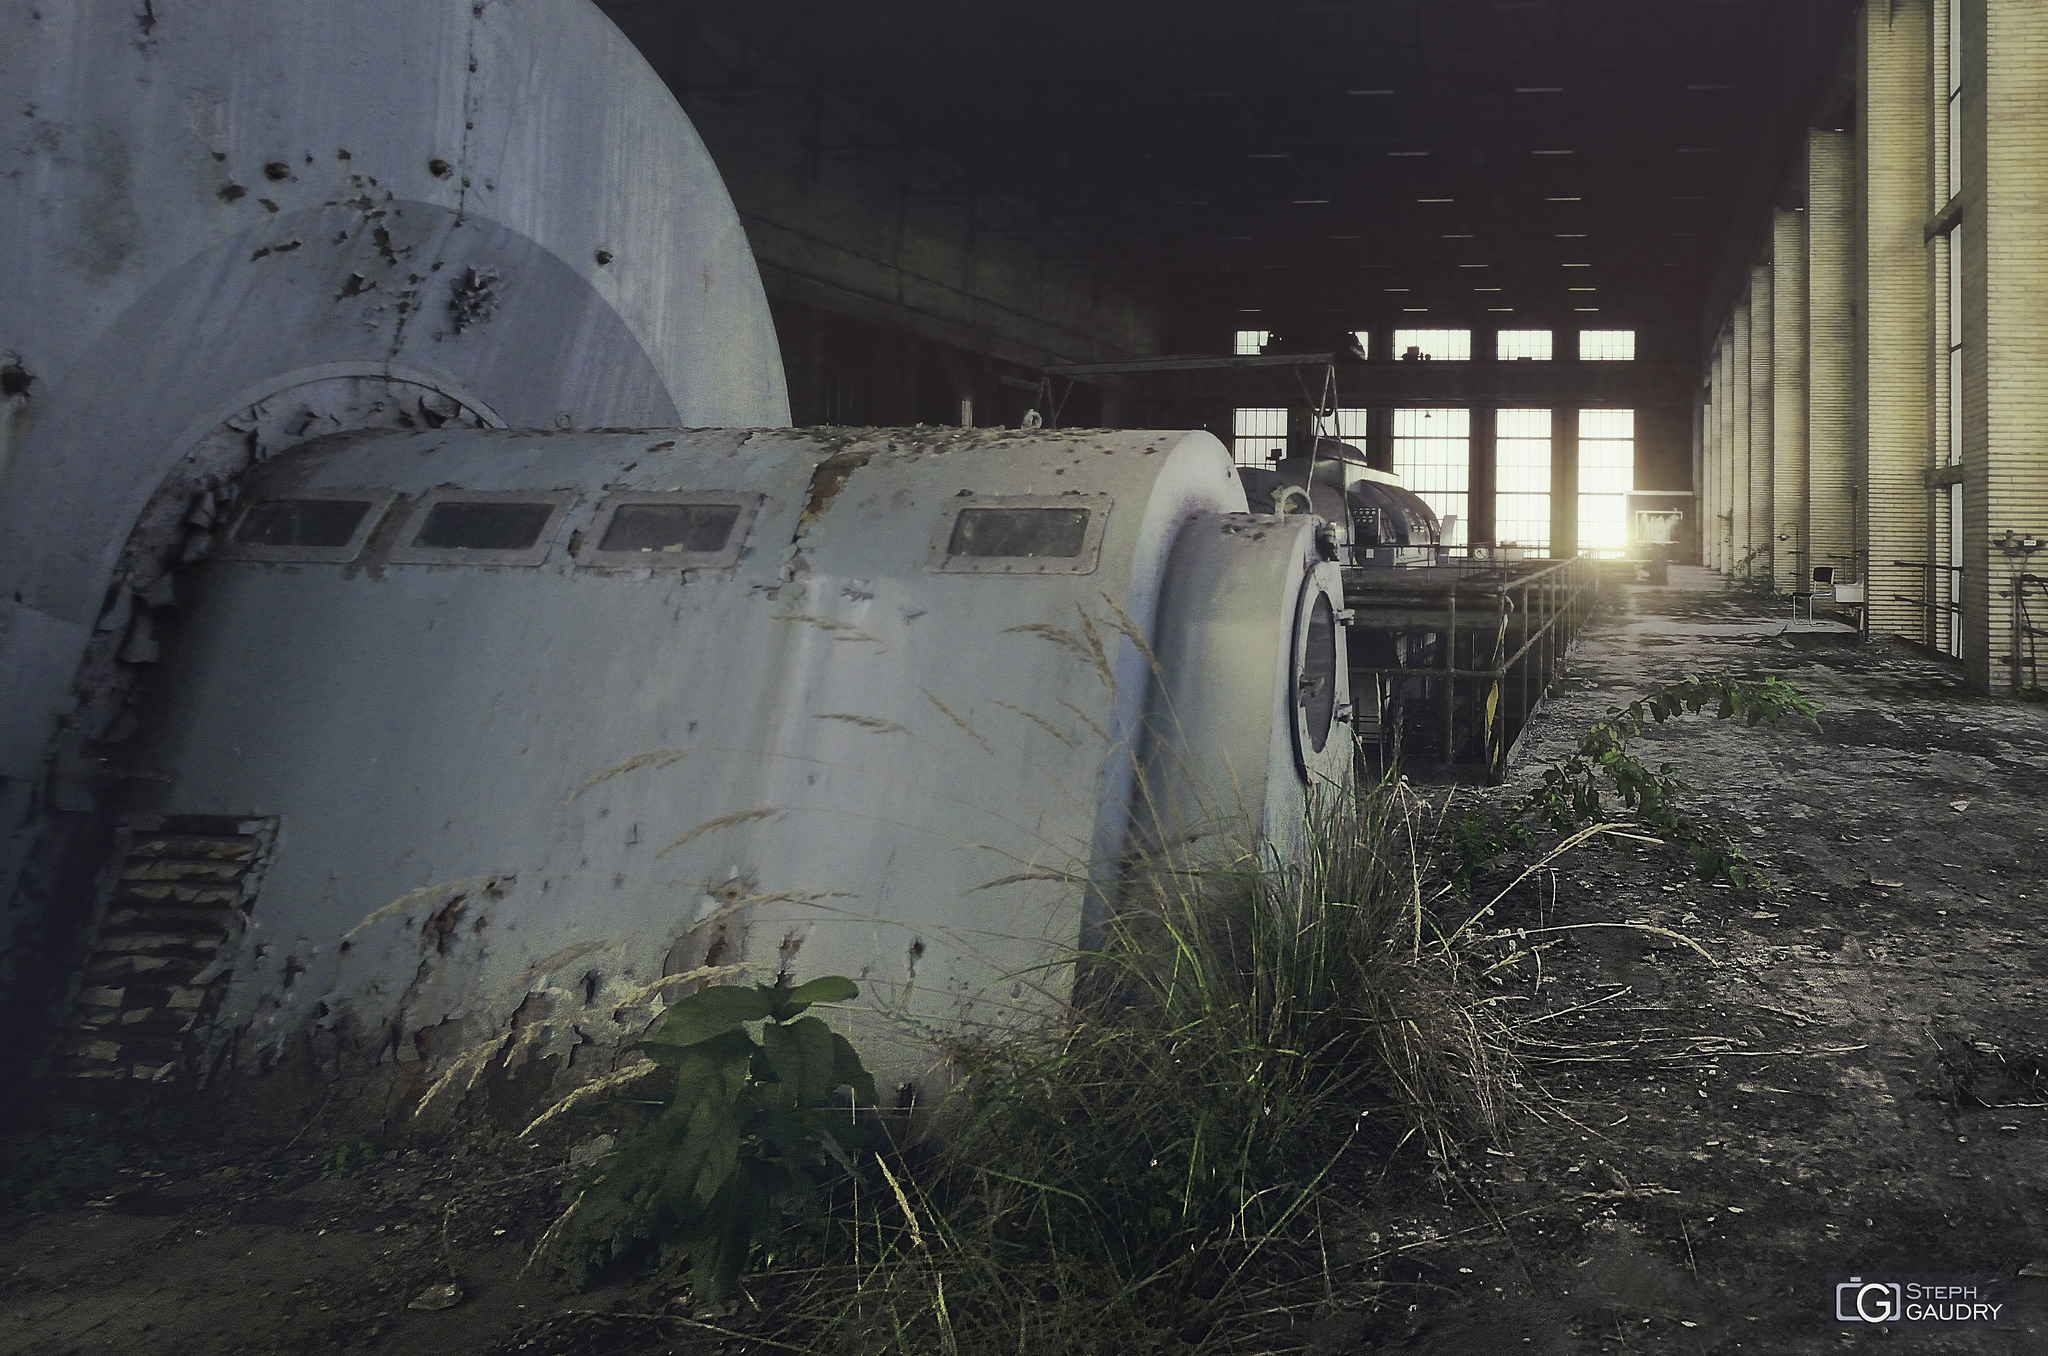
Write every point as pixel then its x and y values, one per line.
pixel 1573 792
pixel 757 1120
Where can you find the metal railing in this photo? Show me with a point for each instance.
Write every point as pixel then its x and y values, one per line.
pixel 1938 613
pixel 1493 653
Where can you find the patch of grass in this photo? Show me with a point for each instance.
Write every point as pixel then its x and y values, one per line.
pixel 1145 1177
pixel 56 1169
pixel 346 1160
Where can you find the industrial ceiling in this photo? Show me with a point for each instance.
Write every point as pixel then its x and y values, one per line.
pixel 1425 163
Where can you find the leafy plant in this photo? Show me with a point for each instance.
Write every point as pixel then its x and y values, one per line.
pixel 1570 798
pixel 345 1159
pixel 752 1129
pixel 1477 842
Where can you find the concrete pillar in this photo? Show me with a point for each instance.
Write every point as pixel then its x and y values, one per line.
pixel 1739 422
pixel 1762 520
pixel 1564 483
pixel 2004 239
pixel 1831 393
pixel 1702 420
pixel 1379 435
pixel 1724 450
pixel 1894 125
pixel 1702 498
pixel 1788 401
pixel 1483 479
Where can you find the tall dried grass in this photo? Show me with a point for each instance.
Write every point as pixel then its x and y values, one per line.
pixel 1143 1178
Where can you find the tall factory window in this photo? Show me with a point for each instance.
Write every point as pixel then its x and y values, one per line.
pixel 1450 346
pixel 1521 502
pixel 1955 99
pixel 1607 472
pixel 1952 246
pixel 1258 434
pixel 1523 345
pixel 1607 346
pixel 1433 457
pixel 1249 342
pixel 1353 425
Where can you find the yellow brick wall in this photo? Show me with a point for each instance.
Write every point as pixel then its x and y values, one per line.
pixel 1710 457
pixel 1895 123
pixel 1738 427
pixel 2004 238
pixel 1762 514
pixel 1788 400
pixel 1831 399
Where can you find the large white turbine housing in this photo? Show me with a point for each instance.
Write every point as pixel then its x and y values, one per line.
pixel 208 207
pixel 397 504
pixel 872 703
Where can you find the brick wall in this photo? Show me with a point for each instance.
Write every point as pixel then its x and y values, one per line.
pixel 1788 399
pixel 1762 341
pixel 1895 123
pixel 1724 498
pixel 2004 235
pixel 1738 444
pixel 1831 398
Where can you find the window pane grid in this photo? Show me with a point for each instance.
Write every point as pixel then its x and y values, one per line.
pixel 1521 504
pixel 1249 342
pixel 1607 458
pixel 1433 457
pixel 1607 345
pixel 1442 345
pixel 1257 434
pixel 1512 345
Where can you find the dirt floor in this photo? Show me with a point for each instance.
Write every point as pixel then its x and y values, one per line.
pixel 1853 1077
pixel 1846 1077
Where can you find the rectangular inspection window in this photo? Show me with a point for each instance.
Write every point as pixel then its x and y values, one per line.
pixel 482 527
pixel 327 523
pixel 1607 346
pixel 1433 457
pixel 1250 342
pixel 1049 532
pixel 1257 434
pixel 1523 346
pixel 1020 534
pixel 1607 473
pixel 668 530
pixel 691 529
pixel 1521 501
pixel 1444 346
pixel 313 526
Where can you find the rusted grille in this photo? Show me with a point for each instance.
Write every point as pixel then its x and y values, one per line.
pixel 153 979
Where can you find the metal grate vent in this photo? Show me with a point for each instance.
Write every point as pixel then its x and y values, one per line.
pixel 153 979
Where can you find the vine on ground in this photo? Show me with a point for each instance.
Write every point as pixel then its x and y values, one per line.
pixel 1569 797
